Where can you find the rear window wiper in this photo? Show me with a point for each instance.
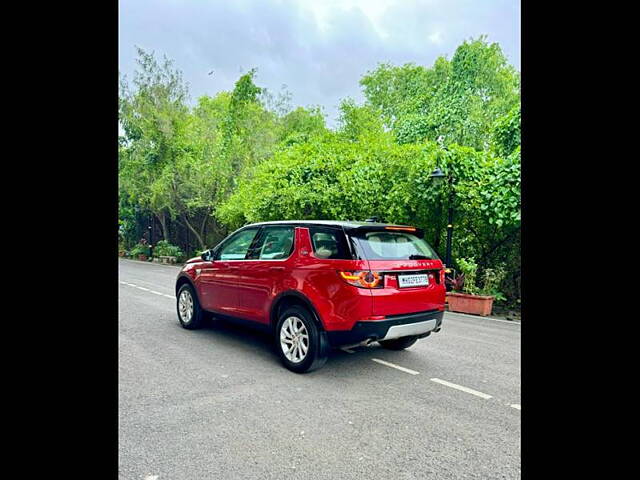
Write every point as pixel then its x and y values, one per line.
pixel 419 257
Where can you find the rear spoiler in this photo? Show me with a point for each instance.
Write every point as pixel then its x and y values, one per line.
pixel 418 232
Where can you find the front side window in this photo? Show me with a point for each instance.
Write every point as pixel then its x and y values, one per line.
pixel 384 245
pixel 275 243
pixel 237 246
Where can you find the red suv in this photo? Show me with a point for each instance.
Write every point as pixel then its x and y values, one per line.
pixel 319 284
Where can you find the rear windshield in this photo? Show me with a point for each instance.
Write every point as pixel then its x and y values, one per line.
pixel 386 245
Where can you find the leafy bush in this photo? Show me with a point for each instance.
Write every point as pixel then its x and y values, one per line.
pixel 164 248
pixel 506 133
pixel 469 268
pixel 493 278
pixel 140 249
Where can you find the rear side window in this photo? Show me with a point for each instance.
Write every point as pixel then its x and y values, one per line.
pixel 329 243
pixel 274 243
pixel 385 245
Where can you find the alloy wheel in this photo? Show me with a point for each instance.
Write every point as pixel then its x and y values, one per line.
pixel 185 306
pixel 294 339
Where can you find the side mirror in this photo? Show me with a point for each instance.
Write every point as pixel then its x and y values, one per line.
pixel 207 256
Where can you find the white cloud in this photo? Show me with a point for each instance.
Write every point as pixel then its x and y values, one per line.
pixel 436 37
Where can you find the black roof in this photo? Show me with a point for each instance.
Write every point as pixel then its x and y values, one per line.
pixel 336 223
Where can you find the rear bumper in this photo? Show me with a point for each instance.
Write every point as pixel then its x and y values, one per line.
pixel 421 324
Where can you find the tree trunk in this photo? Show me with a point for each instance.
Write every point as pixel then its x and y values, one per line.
pixel 203 226
pixel 194 231
pixel 188 250
pixel 162 218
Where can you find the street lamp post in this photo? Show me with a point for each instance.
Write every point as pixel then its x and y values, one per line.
pixel 449 224
pixel 437 176
pixel 150 241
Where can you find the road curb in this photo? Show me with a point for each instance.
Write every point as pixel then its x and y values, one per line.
pixel 478 317
pixel 178 265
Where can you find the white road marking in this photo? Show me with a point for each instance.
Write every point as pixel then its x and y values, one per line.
pixel 150 291
pixel 344 349
pixel 151 477
pixel 460 387
pixel 516 406
pixel 393 365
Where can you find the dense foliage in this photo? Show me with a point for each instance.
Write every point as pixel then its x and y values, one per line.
pixel 459 100
pixel 164 248
pixel 194 173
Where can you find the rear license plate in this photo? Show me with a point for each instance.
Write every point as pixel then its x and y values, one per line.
pixel 413 280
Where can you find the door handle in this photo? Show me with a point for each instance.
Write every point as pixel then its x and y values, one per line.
pixel 280 269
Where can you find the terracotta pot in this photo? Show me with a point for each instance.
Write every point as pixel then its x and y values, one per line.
pixel 473 304
pixel 142 257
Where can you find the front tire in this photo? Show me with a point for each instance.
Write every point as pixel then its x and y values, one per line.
pixel 399 343
pixel 300 342
pixel 190 315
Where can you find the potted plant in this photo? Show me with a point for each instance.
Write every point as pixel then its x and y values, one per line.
pixel 466 297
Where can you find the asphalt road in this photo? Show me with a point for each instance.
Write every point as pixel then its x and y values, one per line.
pixel 217 404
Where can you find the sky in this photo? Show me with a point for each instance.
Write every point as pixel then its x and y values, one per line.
pixel 318 49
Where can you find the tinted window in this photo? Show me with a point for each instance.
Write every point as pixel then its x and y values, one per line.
pixel 275 243
pixel 329 243
pixel 385 245
pixel 236 247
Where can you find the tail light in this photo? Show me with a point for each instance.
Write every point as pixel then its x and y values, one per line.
pixel 442 276
pixel 363 278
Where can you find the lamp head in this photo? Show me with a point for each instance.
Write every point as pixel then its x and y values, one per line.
pixel 437 176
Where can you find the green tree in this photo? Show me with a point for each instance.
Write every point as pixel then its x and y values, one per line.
pixel 458 100
pixel 359 122
pixel 301 125
pixel 152 115
pixel 249 131
pixel 506 132
pixel 395 90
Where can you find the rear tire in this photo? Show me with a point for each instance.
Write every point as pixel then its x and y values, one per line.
pixel 190 315
pixel 399 343
pixel 301 344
